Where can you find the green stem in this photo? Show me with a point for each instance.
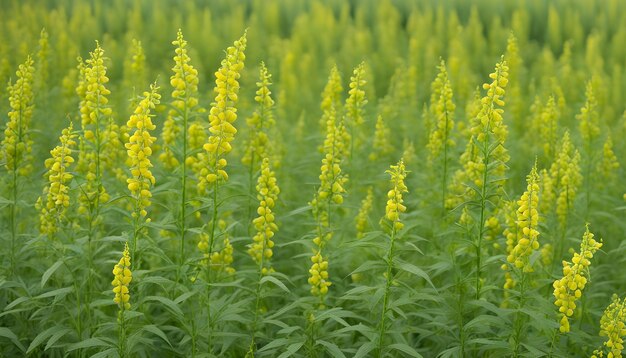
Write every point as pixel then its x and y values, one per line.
pixel 208 266
pixel 381 329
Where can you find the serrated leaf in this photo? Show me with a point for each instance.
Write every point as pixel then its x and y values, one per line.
pixel 331 348
pixel 405 348
pixel 49 272
pixel 7 333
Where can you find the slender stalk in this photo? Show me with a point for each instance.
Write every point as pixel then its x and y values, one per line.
pixel 213 224
pixel 258 295
pixel 381 329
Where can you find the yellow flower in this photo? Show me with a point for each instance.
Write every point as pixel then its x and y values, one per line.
pixel 609 164
pixel 331 96
pixel 265 226
pixel 318 272
pixel 356 101
pixel 395 202
pixel 487 131
pixel 139 150
pixel 588 116
pixel 122 277
pixel 362 217
pixel 223 114
pixel 17 145
pixel 381 145
pixel 548 124
pixel 568 289
pixel 613 326
pixel 565 177
pixel 442 110
pixel 55 200
pixel 260 123
pixel 184 82
pixel 527 222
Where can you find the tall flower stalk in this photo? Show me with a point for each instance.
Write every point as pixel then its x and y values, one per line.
pixel 17 145
pixel 222 115
pixel 139 150
pixel 121 280
pixel 392 224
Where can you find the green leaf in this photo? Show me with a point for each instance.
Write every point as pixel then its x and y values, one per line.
pixel 7 333
pixel 55 293
pixel 105 354
pixel 364 350
pixel 291 350
pixel 169 304
pixel 49 272
pixel 275 344
pixel 88 343
pixel 331 348
pixel 156 331
pixel 405 348
pixel 410 268
pixel 275 281
pixel 55 337
pixel 40 338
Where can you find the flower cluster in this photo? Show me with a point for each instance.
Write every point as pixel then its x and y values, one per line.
pixel 261 121
pixel 395 202
pixel 575 277
pixel 17 145
pixel 223 114
pixel 527 222
pixel 122 277
pixel 566 178
pixel 264 224
pixel 588 116
pixel 184 99
pixel 362 218
pixel 318 278
pixel 613 326
pixel 486 145
pixel 381 145
pixel 442 111
pixel 139 150
pixel 331 96
pixel 56 194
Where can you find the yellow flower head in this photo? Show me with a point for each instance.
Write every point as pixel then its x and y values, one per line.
pixel 17 145
pixel 318 275
pixel 613 327
pixel 184 82
pixel 442 111
pixel 121 280
pixel 362 218
pixel 265 225
pixel 223 113
pixel 261 122
pixel 395 204
pixel 56 194
pixel 139 150
pixel 575 277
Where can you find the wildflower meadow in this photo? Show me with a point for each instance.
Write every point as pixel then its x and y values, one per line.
pixel 320 178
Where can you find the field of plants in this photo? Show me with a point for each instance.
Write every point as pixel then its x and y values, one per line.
pixel 318 178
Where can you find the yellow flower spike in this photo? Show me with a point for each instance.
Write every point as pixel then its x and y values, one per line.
pixel 527 222
pixel 267 194
pixel 55 200
pixel 613 327
pixel 442 111
pixel 331 96
pixel 362 217
pixel 609 163
pixel 395 201
pixel 122 278
pixel 355 103
pixel 16 146
pixel 184 82
pixel 487 130
pixel 260 123
pixel 223 114
pixel 381 145
pixel 548 125
pixel 568 289
pixel 139 150
pixel 565 178
pixel 589 116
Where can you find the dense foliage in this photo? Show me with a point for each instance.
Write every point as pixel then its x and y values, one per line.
pixel 312 178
